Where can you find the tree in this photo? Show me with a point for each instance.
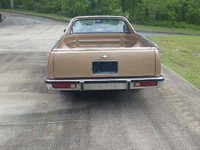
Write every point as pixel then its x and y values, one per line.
pixel 11 4
pixel 151 12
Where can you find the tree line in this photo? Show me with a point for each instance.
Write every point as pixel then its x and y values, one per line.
pixel 178 13
pixel 163 12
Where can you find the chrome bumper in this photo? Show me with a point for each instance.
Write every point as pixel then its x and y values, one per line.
pixel 104 84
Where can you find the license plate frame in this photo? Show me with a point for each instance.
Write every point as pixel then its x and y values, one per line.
pixel 105 67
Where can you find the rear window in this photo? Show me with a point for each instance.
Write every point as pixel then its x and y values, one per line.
pixel 99 26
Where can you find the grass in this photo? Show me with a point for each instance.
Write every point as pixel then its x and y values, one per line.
pixel 182 55
pixel 165 29
pixel 136 26
pixel 54 16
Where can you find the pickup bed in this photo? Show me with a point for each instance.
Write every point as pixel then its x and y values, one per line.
pixel 103 60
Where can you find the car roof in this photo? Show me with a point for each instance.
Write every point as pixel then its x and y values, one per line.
pixel 99 16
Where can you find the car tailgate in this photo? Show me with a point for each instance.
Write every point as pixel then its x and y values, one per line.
pixel 80 63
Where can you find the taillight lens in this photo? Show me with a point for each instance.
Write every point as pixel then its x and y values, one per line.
pixel 145 83
pixel 64 85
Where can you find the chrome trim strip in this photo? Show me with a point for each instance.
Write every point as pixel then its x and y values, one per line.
pixel 103 51
pixel 147 40
pixel 160 78
pixel 56 44
pixel 107 48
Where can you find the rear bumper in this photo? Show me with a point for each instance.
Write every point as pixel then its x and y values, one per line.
pixel 104 84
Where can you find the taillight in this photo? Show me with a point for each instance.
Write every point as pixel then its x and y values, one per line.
pixel 145 83
pixel 64 85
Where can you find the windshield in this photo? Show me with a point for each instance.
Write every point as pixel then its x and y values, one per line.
pixel 99 26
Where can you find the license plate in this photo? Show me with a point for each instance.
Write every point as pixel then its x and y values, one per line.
pixel 105 67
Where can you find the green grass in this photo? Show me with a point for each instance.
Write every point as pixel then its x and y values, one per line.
pixel 165 29
pixel 55 16
pixel 135 26
pixel 182 55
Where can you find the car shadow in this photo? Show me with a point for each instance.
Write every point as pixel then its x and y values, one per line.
pixel 98 98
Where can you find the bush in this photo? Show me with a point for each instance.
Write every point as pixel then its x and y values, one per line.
pixel 49 7
pixel 52 7
pixel 170 24
pixel 21 7
pixel 4 4
pixel 29 5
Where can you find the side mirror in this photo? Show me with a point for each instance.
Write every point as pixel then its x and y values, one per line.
pixel 64 30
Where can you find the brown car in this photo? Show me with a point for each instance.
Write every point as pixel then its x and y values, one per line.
pixel 103 53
